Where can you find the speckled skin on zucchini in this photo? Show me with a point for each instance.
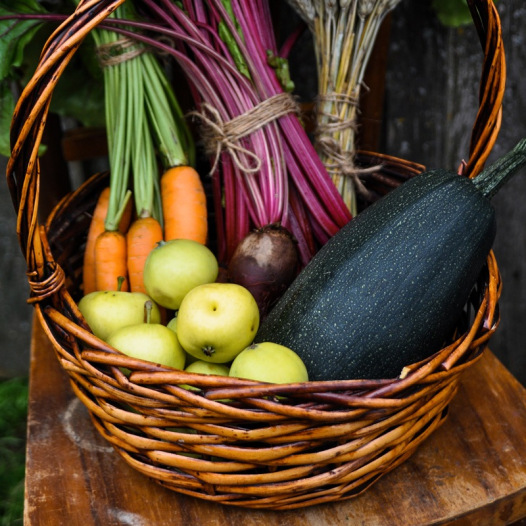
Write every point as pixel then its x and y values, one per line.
pixel 389 288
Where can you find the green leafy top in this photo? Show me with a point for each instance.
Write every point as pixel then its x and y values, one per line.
pixel 15 35
pixel 78 94
pixel 453 13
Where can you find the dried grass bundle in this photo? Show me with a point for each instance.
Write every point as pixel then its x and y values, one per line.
pixel 344 34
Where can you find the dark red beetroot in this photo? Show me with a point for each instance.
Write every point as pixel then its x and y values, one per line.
pixel 265 262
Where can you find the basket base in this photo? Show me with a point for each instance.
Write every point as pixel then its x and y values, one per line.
pixel 475 454
pixel 284 496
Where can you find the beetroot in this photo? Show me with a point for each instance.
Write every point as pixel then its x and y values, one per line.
pixel 265 262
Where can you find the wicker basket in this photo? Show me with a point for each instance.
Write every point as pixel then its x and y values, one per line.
pixel 234 441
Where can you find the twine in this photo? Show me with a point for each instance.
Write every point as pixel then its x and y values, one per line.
pixel 336 123
pixel 113 53
pixel 337 160
pixel 219 136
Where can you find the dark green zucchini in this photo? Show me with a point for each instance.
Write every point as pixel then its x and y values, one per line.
pixel 389 288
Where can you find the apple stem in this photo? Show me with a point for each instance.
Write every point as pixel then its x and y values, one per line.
pixel 120 281
pixel 148 306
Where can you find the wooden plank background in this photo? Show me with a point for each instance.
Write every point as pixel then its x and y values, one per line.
pixel 431 92
pixel 431 100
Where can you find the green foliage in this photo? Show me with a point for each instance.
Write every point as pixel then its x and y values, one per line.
pixel 228 38
pixel 7 106
pixel 452 13
pixel 13 418
pixel 16 34
pixel 79 93
pixel 281 65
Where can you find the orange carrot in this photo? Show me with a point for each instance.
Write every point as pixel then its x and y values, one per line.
pixel 184 205
pixel 126 217
pixel 110 260
pixel 142 237
pixel 96 228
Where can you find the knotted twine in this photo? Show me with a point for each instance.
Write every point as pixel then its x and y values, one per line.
pixel 216 134
pixel 337 160
pixel 219 136
pixel 113 53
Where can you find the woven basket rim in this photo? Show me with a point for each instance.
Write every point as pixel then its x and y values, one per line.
pixel 473 338
pixel 280 446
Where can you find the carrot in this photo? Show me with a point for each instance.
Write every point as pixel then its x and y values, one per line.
pixel 142 237
pixel 110 258
pixel 95 229
pixel 184 205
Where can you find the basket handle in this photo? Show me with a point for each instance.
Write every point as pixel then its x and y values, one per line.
pixel 29 119
pixel 27 126
pixel 492 84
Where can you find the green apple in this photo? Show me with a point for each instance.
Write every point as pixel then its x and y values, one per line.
pixel 175 267
pixel 202 367
pixel 109 310
pixel 149 341
pixel 216 321
pixel 269 362
pixel 172 324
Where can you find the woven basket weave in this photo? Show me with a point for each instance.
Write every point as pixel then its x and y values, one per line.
pixel 235 441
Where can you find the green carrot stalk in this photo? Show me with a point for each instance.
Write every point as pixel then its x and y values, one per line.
pixel 143 119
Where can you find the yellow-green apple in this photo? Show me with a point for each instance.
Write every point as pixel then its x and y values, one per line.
pixel 172 324
pixel 149 341
pixel 175 267
pixel 108 310
pixel 269 362
pixel 216 321
pixel 201 367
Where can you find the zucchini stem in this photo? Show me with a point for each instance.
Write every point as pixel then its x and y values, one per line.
pixel 491 179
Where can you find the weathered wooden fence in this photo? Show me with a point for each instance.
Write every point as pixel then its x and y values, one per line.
pixel 430 103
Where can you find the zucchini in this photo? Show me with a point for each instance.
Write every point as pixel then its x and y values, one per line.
pixel 390 287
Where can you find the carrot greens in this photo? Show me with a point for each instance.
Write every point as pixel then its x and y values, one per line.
pixel 143 118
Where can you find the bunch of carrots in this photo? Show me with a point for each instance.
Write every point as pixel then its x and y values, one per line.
pixel 147 136
pixel 110 254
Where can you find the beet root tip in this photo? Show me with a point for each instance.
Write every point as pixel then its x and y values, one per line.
pixel 265 262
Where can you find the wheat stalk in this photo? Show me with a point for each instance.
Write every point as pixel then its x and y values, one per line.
pixel 344 34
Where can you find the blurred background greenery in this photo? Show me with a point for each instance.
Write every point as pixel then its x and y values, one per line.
pixel 13 414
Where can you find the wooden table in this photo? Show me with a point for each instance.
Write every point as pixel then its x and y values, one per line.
pixel 471 471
